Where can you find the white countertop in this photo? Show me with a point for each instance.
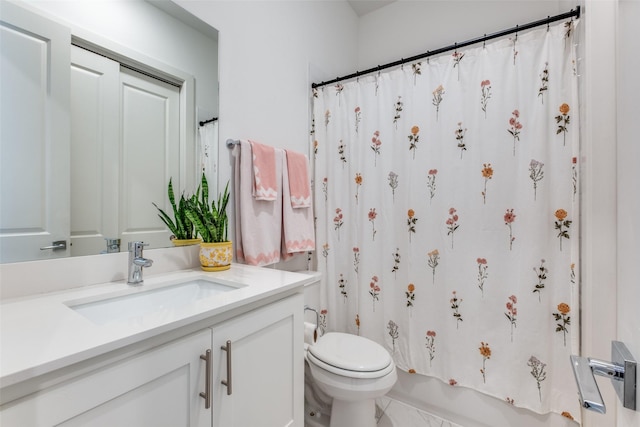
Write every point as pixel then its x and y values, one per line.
pixel 40 334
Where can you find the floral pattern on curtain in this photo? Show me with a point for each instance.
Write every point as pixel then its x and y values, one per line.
pixel 447 215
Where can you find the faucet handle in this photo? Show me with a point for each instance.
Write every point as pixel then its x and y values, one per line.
pixel 136 246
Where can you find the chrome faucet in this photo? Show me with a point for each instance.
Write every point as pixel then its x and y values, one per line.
pixel 136 262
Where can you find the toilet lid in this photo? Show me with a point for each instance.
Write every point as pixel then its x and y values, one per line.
pixel 350 352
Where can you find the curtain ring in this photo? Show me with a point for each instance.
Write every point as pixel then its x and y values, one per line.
pixel 516 33
pixel 548 23
pixel 484 41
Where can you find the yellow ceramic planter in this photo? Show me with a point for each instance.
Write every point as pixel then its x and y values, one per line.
pixel 216 256
pixel 186 242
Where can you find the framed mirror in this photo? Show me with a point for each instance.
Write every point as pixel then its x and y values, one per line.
pixel 105 101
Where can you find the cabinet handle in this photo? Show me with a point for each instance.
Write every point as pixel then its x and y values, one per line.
pixel 227 348
pixel 206 395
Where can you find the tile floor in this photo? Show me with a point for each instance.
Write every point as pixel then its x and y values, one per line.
pixel 392 413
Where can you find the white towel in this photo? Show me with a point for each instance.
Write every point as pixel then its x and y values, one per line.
pixel 258 222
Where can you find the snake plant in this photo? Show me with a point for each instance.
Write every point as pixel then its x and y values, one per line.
pixel 181 226
pixel 210 221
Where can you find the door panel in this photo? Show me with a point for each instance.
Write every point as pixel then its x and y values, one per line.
pixel 94 151
pixel 34 135
pixel 150 153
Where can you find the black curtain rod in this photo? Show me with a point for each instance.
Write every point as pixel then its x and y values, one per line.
pixel 204 122
pixel 572 13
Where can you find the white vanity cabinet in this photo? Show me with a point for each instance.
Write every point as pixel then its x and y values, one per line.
pixel 262 367
pixel 158 387
pixel 165 385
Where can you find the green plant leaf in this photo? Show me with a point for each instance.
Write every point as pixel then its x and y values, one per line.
pixel 210 221
pixel 167 220
pixel 180 226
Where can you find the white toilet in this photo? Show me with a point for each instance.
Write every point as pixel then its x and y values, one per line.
pixel 354 371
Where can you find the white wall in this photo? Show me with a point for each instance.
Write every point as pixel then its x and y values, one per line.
pixel 266 49
pixel 598 163
pixel 270 52
pixel 411 27
pixel 628 158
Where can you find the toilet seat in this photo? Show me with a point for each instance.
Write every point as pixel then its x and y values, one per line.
pixel 350 356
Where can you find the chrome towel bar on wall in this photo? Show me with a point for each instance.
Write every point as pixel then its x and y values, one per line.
pixel 623 373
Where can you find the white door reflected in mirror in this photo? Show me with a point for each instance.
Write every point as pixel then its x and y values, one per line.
pixel 124 128
pixel 34 140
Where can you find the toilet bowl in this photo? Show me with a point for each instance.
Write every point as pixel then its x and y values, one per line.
pixel 353 371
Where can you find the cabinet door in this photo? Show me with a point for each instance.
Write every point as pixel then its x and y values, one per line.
pixel 160 387
pixel 267 367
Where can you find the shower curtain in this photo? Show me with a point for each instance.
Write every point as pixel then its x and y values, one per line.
pixel 447 215
pixel 208 152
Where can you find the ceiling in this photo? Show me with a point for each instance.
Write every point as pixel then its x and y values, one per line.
pixel 362 7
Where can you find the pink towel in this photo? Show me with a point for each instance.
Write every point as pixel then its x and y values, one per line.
pixel 258 223
pixel 298 229
pixel 299 186
pixel 264 172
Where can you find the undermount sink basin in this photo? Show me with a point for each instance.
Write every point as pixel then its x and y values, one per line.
pixel 126 308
